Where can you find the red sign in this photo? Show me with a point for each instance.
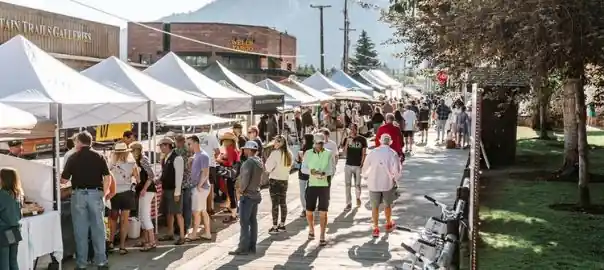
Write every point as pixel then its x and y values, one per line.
pixel 442 77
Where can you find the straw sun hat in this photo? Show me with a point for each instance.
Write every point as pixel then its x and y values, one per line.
pixel 228 136
pixel 121 147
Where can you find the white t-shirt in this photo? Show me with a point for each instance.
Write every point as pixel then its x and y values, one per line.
pixel 410 118
pixel 209 144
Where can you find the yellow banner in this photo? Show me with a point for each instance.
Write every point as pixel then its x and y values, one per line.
pixel 111 132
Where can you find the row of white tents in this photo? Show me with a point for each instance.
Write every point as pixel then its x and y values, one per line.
pixel 34 86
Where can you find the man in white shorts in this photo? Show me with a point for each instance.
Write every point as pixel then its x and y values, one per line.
pixel 381 169
pixel 200 172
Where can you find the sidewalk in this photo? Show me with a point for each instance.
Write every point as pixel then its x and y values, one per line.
pixel 431 170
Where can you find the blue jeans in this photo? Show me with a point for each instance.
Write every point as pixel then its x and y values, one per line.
pixel 8 257
pixel 187 208
pixel 87 215
pixel 248 220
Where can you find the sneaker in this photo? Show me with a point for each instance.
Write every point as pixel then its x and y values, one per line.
pixel 390 226
pixel 348 207
pixel 375 233
pixel 358 202
pixel 273 230
pixel 281 228
pixel 303 214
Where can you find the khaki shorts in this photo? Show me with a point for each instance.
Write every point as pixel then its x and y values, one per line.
pixel 385 197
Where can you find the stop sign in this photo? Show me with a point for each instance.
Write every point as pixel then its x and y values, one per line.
pixel 442 77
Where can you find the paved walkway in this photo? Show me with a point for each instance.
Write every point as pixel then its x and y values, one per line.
pixel 431 170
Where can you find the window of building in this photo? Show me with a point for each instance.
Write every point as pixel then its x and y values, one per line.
pixel 240 62
pixel 196 61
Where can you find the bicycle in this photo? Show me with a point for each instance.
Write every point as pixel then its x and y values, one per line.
pixel 440 237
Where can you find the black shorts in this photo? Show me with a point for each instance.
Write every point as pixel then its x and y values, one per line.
pixel 169 205
pixel 423 126
pixel 213 176
pixel 123 201
pixel 317 194
pixel 407 133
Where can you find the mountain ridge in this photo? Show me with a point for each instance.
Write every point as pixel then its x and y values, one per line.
pixel 302 21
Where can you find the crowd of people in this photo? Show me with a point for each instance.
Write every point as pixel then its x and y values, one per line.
pixel 202 173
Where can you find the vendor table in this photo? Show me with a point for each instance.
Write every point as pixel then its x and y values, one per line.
pixel 41 236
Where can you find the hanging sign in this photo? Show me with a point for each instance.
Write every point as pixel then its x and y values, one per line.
pixel 267 104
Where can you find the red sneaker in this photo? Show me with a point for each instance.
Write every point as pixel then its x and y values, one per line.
pixel 390 226
pixel 376 233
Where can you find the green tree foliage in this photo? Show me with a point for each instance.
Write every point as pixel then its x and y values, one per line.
pixel 365 56
pixel 538 37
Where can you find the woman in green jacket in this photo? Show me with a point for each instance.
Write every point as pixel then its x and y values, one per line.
pixel 11 196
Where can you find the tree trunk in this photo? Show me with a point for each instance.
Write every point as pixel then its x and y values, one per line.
pixel 571 136
pixel 582 146
pixel 543 119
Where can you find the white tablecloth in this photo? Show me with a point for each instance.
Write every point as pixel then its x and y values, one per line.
pixel 41 235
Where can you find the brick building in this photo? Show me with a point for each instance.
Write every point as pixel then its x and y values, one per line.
pixel 146 45
pixel 78 43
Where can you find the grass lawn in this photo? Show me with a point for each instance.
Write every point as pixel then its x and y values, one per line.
pixel 519 230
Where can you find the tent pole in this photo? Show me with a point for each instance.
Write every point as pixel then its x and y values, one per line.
pixel 140 131
pixel 155 173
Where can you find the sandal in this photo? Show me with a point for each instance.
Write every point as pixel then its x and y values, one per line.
pixel 123 251
pixel 311 236
pixel 180 242
pixel 166 238
pixel 140 244
pixel 148 248
pixel 192 239
pixel 322 243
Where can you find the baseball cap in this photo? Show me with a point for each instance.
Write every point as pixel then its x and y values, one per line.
pixel 250 145
pixel 385 139
pixel 15 143
pixel 319 138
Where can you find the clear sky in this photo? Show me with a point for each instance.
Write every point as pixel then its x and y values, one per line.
pixel 136 10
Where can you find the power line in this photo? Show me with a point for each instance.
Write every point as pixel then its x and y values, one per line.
pixel 183 37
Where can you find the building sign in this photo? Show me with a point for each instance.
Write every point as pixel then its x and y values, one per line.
pixel 242 44
pixel 27 28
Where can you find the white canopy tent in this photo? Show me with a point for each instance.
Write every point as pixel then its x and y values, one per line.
pixel 340 77
pixel 18 124
pixel 170 103
pixel 245 86
pixel 307 90
pixel 385 77
pixel 319 82
pixel 174 72
pixel 34 81
pixel 203 120
pixel 292 97
pixel 412 92
pixel 354 95
pixel 374 81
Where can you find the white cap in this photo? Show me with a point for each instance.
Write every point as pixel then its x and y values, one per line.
pixel 319 138
pixel 385 139
pixel 250 145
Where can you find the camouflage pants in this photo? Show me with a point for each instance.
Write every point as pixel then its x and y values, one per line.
pixel 278 191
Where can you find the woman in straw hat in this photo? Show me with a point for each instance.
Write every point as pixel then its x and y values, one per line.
pixel 125 174
pixel 229 159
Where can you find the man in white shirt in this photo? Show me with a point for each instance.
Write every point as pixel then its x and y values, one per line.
pixel 335 153
pixel 210 145
pixel 410 119
pixel 381 169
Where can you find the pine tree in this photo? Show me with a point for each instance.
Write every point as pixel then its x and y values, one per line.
pixel 365 56
pixel 312 69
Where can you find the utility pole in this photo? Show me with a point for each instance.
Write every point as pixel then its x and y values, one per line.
pixel 347 30
pixel 321 8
